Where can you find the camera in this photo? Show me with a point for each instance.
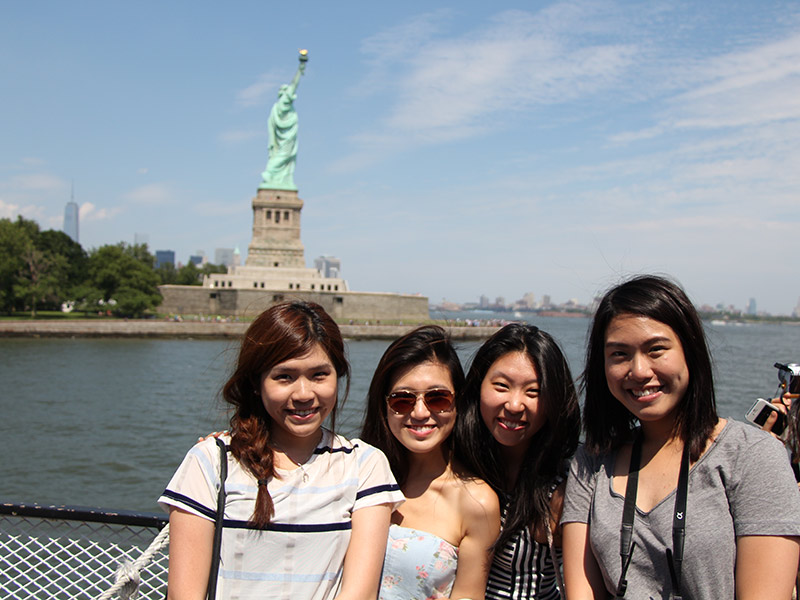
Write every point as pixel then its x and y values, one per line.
pixel 789 378
pixel 788 389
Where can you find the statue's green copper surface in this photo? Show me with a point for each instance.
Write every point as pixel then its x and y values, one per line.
pixel 282 124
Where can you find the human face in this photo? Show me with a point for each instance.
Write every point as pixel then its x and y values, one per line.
pixel 511 406
pixel 298 394
pixel 645 367
pixel 422 431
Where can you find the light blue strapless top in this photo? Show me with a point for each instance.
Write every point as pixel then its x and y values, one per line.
pixel 418 565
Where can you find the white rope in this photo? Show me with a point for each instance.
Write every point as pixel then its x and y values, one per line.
pixel 127 574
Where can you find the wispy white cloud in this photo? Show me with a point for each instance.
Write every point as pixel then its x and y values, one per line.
pixel 260 92
pixel 445 89
pixel 89 212
pixel 8 210
pixel 154 193
pixel 706 224
pixel 11 210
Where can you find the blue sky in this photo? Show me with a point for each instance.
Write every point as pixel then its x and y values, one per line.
pixel 451 150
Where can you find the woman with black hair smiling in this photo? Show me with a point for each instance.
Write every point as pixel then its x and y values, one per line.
pixel 518 424
pixel 686 505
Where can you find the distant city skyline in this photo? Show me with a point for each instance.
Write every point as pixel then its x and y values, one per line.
pixel 526 303
pixel 444 149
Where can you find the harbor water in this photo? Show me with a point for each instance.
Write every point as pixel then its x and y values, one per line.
pixel 105 422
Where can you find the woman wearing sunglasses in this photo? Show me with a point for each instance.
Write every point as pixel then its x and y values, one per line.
pixel 440 538
pixel 686 505
pixel 518 425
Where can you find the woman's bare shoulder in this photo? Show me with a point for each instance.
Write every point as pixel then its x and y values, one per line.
pixel 475 496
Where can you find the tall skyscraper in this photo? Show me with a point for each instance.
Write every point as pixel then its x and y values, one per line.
pixel 164 257
pixel 223 256
pixel 329 266
pixel 71 221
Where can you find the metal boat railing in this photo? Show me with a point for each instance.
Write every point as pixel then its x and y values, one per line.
pixel 67 552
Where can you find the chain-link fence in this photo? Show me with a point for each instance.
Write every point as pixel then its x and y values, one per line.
pixel 71 553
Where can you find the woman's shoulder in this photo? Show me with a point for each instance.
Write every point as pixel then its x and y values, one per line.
pixel 740 443
pixel 474 495
pixel 736 438
pixel 585 463
pixel 209 447
pixel 354 445
pixel 355 449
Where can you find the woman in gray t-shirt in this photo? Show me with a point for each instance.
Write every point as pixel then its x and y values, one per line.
pixel 730 526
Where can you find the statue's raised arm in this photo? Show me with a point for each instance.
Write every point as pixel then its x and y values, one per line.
pixel 301 69
pixel 282 124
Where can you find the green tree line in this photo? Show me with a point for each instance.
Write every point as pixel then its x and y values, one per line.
pixel 41 270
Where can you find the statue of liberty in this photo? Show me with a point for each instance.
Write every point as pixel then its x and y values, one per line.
pixel 282 124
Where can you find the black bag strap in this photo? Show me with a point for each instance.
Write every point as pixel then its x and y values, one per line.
pixel 674 555
pixel 218 524
pixel 626 543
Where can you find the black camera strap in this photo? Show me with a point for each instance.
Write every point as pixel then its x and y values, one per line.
pixel 211 591
pixel 674 555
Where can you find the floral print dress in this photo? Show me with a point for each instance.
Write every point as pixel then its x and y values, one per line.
pixel 418 566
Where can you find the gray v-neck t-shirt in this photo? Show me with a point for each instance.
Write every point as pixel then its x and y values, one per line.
pixel 742 485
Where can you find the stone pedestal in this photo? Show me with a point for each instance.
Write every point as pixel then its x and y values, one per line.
pixel 276 231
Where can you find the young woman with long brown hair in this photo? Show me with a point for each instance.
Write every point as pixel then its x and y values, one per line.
pixel 307 511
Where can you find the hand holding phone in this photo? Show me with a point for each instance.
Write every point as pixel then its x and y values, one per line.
pixel 762 409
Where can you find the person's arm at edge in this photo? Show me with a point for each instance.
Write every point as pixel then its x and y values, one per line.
pixel 481 510
pixel 364 559
pixel 766 567
pixel 582 577
pixel 191 539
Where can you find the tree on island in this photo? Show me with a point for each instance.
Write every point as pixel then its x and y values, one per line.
pixel 38 268
pixel 121 277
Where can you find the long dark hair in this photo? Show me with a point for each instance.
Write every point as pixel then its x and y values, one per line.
pixel 429 343
pixel 607 423
pixel 282 332
pixel 528 503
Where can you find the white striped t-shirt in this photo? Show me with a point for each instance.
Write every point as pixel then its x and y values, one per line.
pixel 301 552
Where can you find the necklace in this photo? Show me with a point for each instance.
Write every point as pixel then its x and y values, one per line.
pixel 299 465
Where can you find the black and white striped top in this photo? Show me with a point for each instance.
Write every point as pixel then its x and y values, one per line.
pixel 522 569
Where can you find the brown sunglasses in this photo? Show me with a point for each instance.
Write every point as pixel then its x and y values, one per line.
pixel 402 402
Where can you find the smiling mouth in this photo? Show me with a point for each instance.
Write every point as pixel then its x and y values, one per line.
pixel 421 429
pixel 646 393
pixel 302 414
pixel 512 425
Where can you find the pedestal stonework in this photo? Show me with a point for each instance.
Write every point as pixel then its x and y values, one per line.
pixel 275 270
pixel 276 231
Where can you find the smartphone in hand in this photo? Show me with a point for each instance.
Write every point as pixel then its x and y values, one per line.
pixel 759 412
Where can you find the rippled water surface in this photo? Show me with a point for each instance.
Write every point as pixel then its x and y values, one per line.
pixel 98 422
